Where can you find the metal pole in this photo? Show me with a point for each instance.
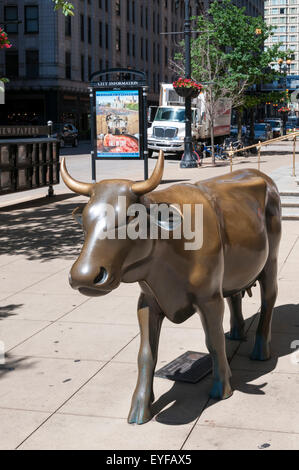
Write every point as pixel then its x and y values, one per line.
pixel 188 161
pixel 92 137
pixel 294 156
pixel 259 156
pixel 145 149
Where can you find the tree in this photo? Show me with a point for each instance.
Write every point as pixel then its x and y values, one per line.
pixel 228 55
pixel 66 7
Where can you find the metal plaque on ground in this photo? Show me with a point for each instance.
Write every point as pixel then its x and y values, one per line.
pixel 189 367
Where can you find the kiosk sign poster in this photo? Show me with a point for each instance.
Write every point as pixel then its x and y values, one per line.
pixel 117 123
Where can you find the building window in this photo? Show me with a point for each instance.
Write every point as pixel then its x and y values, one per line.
pixel 68 66
pixel 89 30
pixel 32 64
pixel 31 19
pixel 100 34
pixel 82 68
pixel 68 25
pixel 12 64
pixel 118 40
pixel 107 36
pixel 11 14
pixel 82 32
pixel 89 67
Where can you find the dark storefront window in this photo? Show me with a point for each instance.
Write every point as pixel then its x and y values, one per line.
pixel 31 19
pixel 12 64
pixel 11 14
pixel 32 64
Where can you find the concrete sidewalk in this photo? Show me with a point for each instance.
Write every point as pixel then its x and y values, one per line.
pixel 71 361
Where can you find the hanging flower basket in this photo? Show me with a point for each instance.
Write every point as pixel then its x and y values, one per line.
pixel 4 42
pixel 187 88
pixel 284 109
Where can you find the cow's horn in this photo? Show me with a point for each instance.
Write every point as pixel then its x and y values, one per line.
pixel 81 188
pixel 154 181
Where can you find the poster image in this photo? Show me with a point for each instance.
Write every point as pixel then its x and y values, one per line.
pixel 117 124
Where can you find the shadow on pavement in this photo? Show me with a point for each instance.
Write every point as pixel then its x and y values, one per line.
pixel 13 363
pixel 7 310
pixel 186 400
pixel 45 233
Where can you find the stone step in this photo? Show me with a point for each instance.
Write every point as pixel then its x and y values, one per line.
pixel 290 193
pixel 290 213
pixel 290 201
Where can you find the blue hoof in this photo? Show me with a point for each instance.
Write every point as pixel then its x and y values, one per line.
pixel 235 335
pixel 219 392
pixel 261 350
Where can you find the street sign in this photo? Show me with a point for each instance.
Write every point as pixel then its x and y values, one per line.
pixel 118 123
pixel 118 116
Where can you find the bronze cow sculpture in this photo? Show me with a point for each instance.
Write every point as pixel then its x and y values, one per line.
pixel 241 228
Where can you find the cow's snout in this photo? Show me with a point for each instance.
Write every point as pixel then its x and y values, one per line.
pixel 90 281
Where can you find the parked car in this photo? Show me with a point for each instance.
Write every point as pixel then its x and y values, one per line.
pixel 262 131
pixel 67 134
pixel 292 123
pixel 276 126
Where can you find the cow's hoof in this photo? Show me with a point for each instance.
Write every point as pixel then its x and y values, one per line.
pixel 139 415
pixel 220 391
pixel 261 350
pixel 236 334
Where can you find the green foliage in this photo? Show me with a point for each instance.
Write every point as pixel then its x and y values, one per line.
pixel 4 80
pixel 66 7
pixel 274 97
pixel 228 52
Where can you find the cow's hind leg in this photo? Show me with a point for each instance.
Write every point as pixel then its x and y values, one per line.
pixel 150 321
pixel 237 324
pixel 212 319
pixel 268 284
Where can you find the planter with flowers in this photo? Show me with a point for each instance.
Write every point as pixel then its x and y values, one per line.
pixel 4 41
pixel 284 109
pixel 187 88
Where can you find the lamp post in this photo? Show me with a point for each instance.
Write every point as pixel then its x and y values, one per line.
pixel 188 160
pixel 285 69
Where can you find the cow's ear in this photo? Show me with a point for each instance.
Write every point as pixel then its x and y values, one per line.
pixel 77 215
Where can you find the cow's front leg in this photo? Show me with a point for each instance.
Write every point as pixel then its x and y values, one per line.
pixel 150 320
pixel 212 312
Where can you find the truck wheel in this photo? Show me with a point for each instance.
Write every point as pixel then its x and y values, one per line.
pixel 150 153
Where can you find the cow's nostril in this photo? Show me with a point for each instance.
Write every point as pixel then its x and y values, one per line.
pixel 101 277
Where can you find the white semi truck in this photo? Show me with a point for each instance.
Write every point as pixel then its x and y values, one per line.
pixel 167 131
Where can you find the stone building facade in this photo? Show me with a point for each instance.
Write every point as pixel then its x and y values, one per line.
pixel 52 56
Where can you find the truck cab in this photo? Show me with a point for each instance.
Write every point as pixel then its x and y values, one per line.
pixel 167 131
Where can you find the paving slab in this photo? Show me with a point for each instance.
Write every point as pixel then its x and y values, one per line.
pixel 43 384
pixel 78 341
pixel 268 402
pixel 92 433
pixel 213 437
pixel 14 332
pixel 110 392
pixel 17 425
pixel 40 307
